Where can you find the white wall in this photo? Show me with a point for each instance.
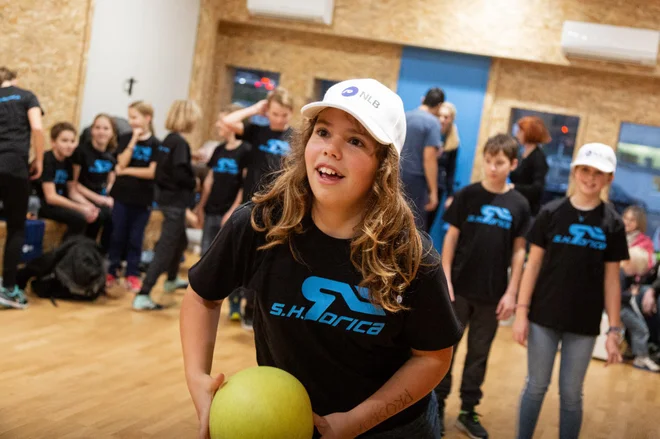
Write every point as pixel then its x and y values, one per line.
pixel 152 41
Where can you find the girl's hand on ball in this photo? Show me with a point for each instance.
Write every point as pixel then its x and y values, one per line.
pixel 334 426
pixel 203 391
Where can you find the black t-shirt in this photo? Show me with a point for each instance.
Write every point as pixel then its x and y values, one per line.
pixel 227 167
pixel 175 179
pixel 56 172
pixel 312 321
pixel 15 130
pixel 488 223
pixel 95 166
pixel 529 178
pixel 569 291
pixel 266 156
pixel 132 190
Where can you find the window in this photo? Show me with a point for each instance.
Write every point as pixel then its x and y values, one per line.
pixel 251 86
pixel 559 152
pixel 322 86
pixel 637 177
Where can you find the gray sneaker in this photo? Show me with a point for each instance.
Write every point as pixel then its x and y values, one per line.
pixel 14 298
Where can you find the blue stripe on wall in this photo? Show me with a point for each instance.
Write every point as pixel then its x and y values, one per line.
pixel 464 79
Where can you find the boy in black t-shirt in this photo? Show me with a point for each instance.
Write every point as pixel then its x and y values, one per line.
pixel 488 222
pixel 222 192
pixel 270 144
pixel 56 187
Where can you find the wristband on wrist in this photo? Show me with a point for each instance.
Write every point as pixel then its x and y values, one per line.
pixel 522 305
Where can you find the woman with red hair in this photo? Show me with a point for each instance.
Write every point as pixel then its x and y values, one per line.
pixel 529 177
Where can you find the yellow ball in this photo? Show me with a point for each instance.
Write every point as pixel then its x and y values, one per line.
pixel 259 403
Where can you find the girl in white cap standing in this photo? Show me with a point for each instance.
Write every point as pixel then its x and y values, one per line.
pixel 572 272
pixel 351 299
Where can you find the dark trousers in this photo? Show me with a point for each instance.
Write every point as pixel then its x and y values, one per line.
pixel 74 220
pixel 14 194
pixel 417 193
pixel 169 249
pixel 128 224
pixel 482 322
pixel 104 221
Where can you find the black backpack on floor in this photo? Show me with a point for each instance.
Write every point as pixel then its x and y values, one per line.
pixel 74 271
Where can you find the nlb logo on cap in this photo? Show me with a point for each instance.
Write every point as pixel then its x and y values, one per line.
pixel 375 106
pixel 350 91
pixel 596 155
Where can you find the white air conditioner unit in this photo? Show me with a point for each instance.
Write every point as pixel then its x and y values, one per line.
pixel 319 11
pixel 610 43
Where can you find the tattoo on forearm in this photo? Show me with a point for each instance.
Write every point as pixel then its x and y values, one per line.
pixel 386 411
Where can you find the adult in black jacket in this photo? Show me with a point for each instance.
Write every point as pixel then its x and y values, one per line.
pixel 529 177
pixel 175 182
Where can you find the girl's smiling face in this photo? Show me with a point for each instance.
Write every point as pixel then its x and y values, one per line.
pixel 341 161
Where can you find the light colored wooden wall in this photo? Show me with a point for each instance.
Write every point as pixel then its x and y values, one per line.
pixel 46 41
pixel 602 100
pixel 528 30
pixel 300 58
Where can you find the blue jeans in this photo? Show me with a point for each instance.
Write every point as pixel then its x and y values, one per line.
pixel 128 224
pixel 576 350
pixel 210 230
pixel 637 329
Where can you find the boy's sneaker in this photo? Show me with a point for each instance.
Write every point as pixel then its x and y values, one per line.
pixel 133 284
pixel 468 423
pixel 645 363
pixel 14 298
pixel 143 302
pixel 248 318
pixel 110 280
pixel 171 286
pixel 234 309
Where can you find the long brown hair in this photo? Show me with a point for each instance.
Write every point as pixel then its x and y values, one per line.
pixel 387 250
pixel 112 143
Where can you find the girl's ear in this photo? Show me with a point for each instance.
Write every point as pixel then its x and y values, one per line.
pixel 611 177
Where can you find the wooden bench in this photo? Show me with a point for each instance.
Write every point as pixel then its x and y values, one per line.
pixel 55 231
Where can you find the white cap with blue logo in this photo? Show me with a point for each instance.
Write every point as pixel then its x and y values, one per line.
pixel 375 106
pixel 596 155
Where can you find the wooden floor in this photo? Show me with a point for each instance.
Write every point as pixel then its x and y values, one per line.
pixel 103 371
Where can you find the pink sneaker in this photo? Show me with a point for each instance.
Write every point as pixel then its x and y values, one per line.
pixel 110 281
pixel 134 284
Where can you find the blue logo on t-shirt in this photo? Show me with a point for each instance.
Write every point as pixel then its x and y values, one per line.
pixel 583 235
pixel 226 166
pixel 276 147
pixel 142 153
pixel 10 98
pixel 322 293
pixel 493 216
pixel 101 167
pixel 350 91
pixel 164 149
pixel 61 176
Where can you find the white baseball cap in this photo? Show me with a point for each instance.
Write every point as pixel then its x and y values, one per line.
pixel 596 155
pixel 375 106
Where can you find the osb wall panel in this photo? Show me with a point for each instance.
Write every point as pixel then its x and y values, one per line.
pixel 46 42
pixel 300 58
pixel 527 30
pixel 203 72
pixel 602 100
